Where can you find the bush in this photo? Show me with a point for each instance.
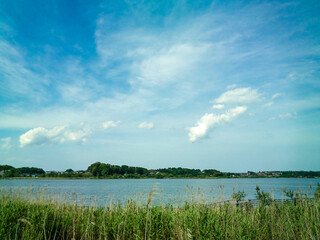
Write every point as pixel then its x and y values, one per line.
pixel 238 196
pixel 263 197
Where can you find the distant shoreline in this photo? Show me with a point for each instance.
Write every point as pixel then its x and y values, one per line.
pixel 100 170
pixel 122 178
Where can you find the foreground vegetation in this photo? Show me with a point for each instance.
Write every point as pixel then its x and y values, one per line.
pixel 41 218
pixel 104 170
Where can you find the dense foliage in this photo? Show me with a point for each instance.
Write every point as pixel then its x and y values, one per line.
pixel 9 171
pixel 293 174
pixel 40 218
pixel 101 169
pixel 104 170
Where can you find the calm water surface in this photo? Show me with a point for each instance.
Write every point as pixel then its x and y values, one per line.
pixel 103 191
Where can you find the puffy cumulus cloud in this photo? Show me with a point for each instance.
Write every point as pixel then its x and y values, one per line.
pixel 109 124
pixel 147 125
pixel 218 106
pixel 40 135
pixel 208 121
pixel 6 143
pixel 239 96
pixel 58 134
pixel 75 136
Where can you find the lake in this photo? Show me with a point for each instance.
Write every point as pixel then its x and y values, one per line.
pixel 103 191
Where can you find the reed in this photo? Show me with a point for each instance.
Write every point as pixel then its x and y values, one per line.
pixel 40 217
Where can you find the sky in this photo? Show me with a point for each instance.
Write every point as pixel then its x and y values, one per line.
pixel 227 85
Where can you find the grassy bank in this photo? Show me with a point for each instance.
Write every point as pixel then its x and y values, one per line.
pixel 48 219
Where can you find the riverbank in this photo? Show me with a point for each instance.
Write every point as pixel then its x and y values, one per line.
pixel 43 218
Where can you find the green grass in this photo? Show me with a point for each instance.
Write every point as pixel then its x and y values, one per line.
pixel 43 218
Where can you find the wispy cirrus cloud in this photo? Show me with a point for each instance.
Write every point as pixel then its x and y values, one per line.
pixel 165 62
pixel 17 80
pixel 239 96
pixel 273 98
pixel 6 143
pixel 289 115
pixel 268 104
pixel 277 95
pixel 109 124
pixel 168 64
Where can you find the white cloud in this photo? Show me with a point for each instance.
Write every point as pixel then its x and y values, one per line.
pixel 74 92
pixel 239 95
pixel 276 95
pixel 291 75
pixel 16 78
pixel 75 136
pixel 208 121
pixel 6 143
pixel 156 60
pixel 168 64
pixel 58 134
pixel 288 115
pixel 285 116
pixel 232 86
pixel 109 124
pixel 218 106
pixel 268 104
pixel 147 125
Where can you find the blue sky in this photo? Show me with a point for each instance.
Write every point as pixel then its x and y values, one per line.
pixel 233 86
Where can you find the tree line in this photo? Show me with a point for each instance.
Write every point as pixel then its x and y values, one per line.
pixel 9 171
pixel 105 170
pixel 99 169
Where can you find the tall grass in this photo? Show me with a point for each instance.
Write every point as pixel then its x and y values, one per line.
pixel 44 218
